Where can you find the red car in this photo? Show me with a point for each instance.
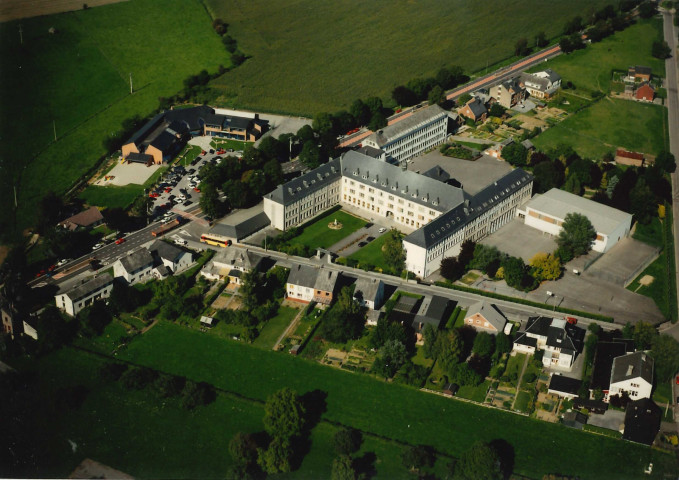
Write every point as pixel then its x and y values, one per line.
pixel 120 240
pixel 677 380
pixel 168 189
pixel 154 195
pixel 203 152
pixel 52 267
pixel 196 189
pixel 572 320
pixel 39 274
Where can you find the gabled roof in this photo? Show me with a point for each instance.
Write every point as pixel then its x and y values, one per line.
pixel 164 141
pixel 138 157
pixel 413 122
pixel 242 229
pixel 642 421
pixel 557 332
pixel 477 107
pixel 605 353
pixel 326 280
pixel 561 383
pixel 640 70
pixel 632 366
pixel 574 419
pixel 136 260
pixel 490 313
pixel 303 276
pixel 368 287
pixel 523 339
pixel 89 287
pixel 371 151
pixel 511 85
pixel 83 219
pixel 243 260
pixel 558 203
pixel 165 251
pixel 193 118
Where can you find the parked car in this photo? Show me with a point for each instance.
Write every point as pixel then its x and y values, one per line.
pixel 97 246
pixel 182 196
pixel 369 239
pixel 382 230
pixel 181 241
pixel 362 244
pixel 191 171
pixel 120 240
pixel 212 150
pixel 63 261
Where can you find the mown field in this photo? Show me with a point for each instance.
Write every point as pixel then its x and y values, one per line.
pixel 392 411
pixel 607 125
pixel 308 56
pixel 78 81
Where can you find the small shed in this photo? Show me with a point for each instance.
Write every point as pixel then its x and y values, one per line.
pixel 295 349
pixel 451 389
pixel 574 419
pixel 208 322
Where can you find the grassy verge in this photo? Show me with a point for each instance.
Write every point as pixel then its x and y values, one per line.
pixel 602 431
pixel 393 411
pixel 651 234
pixel 476 394
pixel 111 196
pixel 371 254
pixel 274 327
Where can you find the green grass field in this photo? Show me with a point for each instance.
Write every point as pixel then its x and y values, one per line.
pixel 318 234
pixel 295 68
pixel 372 254
pixel 607 125
pixel 590 69
pixel 111 196
pixel 393 411
pixel 651 233
pixel 476 394
pixel 658 289
pixel 274 327
pixel 79 79
pixel 522 401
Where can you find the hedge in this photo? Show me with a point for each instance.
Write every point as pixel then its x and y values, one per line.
pixel 522 301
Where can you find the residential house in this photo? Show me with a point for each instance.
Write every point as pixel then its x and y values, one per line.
pixel 509 93
pixel 231 264
pixel 645 93
pixel 136 267
pixel 602 365
pixel 413 134
pixel 474 109
pixel 642 421
pixel 547 212
pixel 560 341
pixel 306 284
pixel 633 374
pixel 542 85
pixel 433 310
pixel 639 73
pixel 174 258
pixel 624 157
pixel 87 219
pixel 485 317
pixel 563 386
pixel 75 299
pixel 369 292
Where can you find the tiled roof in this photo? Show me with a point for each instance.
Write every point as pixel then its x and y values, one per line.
pixel 136 260
pixel 490 313
pixel 89 287
pixel 85 218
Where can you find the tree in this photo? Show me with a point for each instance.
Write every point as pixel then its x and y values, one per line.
pixel 451 269
pixel 284 414
pixel 305 134
pixel 251 289
pixel 374 104
pixel 480 462
pixel 168 385
pixel 386 330
pixel 642 202
pixel 393 252
pixel 237 193
pixel 516 154
pixel 496 110
pixel 436 95
pixel 418 456
pixel 660 49
pixel 448 349
pixel 577 234
pixel 343 469
pixel 463 374
pixel 548 174
pixel 209 201
pixel 197 395
pixel 49 210
pixel 361 112
pixel 665 352
pixel 484 345
pixel 503 344
pixel 521 47
pixel 276 458
pixel 347 441
pixel 644 335
pixel 573 185
pixel 541 40
pixel 466 253
pixel 514 270
pixel 243 449
pixel 392 356
pixel 666 162
pixel 598 394
pixel 647 9
pixel 377 121
pixel 545 266
pixel 311 154
pixel 403 96
pixel 345 320
pixel 573 26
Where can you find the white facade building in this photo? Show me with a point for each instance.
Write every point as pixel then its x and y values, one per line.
pixel 560 341
pixel 79 297
pixel 542 84
pixel 632 373
pixel 547 212
pixel 136 267
pixel 418 132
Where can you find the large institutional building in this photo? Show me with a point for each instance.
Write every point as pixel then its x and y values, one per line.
pixel 442 216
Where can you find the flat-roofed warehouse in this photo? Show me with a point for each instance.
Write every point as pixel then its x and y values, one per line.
pixel 547 212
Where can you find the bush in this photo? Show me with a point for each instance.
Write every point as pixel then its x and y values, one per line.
pixel 112 371
pixel 137 378
pixel 197 394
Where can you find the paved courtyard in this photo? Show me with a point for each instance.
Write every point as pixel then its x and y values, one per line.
pixel 473 175
pixel 126 173
pixel 622 263
pixel 612 420
pixel 520 240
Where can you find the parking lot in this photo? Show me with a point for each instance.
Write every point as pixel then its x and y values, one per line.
pixel 520 240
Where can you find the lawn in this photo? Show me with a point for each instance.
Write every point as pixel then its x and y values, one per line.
pixel 523 400
pixel 607 125
pixel 476 394
pixel 77 80
pixel 274 327
pixel 318 234
pixel 658 290
pixel 591 69
pixel 651 233
pixel 514 364
pixel 393 411
pixel 293 67
pixel 372 254
pixel 108 340
pixel 112 196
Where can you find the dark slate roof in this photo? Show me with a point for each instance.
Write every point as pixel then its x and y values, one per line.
pixel 606 352
pixel 477 107
pixel 163 270
pixel 303 275
pixel 640 69
pixel 193 118
pixel 137 260
pixel 138 157
pixel 633 365
pixel 303 185
pixel 371 151
pixel 574 419
pixel 326 280
pixel 589 404
pixel 243 229
pixel 512 85
pixel 523 339
pixel 141 134
pixel 165 251
pixel 215 120
pixel 368 287
pixel 642 421
pixel 442 227
pixel 239 122
pixel 164 141
pixel 436 307
pixel 560 383
pixel 437 173
pixel 89 287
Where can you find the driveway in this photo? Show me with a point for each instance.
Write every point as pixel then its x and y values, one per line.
pixel 611 420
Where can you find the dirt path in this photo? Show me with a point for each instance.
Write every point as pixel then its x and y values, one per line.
pixel 292 325
pixel 518 382
pixel 149 327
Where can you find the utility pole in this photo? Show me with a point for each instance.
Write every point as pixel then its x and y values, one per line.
pixel 131 90
pixel 54 125
pixel 15 197
pixel 21 34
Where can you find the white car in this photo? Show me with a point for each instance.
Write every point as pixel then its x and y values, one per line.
pixel 63 261
pixel 382 230
pixel 181 241
pixel 182 196
pixel 97 246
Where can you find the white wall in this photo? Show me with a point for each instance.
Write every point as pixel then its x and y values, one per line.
pixel 303 294
pixel 641 388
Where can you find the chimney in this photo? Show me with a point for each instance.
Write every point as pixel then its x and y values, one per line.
pixel 256 116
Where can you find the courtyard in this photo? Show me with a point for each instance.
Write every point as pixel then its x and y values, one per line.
pixel 126 173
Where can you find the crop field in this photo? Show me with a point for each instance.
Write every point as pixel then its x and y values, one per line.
pixel 392 411
pixel 608 124
pixel 76 81
pixel 590 69
pixel 308 56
